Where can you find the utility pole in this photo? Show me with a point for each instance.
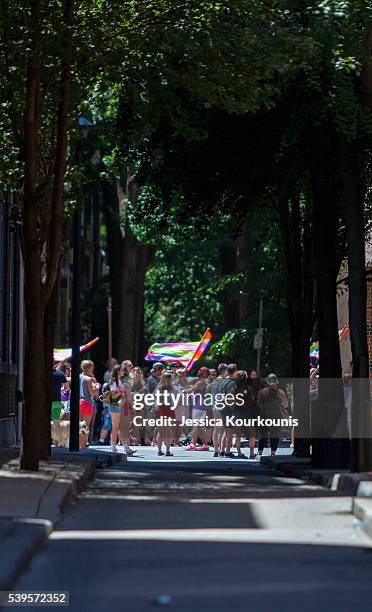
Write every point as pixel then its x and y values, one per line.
pixel 74 445
pixel 75 336
pixel 109 331
pixel 258 339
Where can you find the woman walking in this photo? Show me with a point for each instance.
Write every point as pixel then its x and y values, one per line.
pixel 116 390
pixel 244 410
pixel 165 413
pixel 126 415
pixel 88 391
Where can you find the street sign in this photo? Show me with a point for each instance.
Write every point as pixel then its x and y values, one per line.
pixel 258 339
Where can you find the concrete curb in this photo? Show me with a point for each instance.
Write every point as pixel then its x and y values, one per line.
pixel 362 510
pixel 296 467
pixel 50 491
pixel 20 540
pixel 349 482
pixel 77 483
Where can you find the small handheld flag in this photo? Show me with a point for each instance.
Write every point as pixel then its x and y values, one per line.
pixel 62 354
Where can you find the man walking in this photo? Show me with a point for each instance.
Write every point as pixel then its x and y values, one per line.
pixel 272 405
pixel 226 388
pixel 154 378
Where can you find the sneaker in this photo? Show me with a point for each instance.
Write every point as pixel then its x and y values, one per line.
pixel 203 447
pixel 191 447
pixel 216 454
pixel 129 451
pixel 113 448
pixel 168 454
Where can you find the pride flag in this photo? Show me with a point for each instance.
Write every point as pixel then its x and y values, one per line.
pixel 314 347
pixel 63 354
pixel 200 349
pixel 184 353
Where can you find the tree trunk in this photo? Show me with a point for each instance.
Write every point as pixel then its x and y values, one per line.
pixel 115 255
pixel 128 263
pixel 353 207
pixel 34 373
pixel 136 258
pixel 331 447
pixel 298 247
pixel 40 237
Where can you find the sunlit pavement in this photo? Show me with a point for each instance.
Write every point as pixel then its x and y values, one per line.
pixel 205 537
pixel 181 455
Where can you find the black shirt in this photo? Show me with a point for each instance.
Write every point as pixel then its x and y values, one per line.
pixel 58 380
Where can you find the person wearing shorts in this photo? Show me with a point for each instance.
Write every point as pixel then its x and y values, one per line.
pixel 87 392
pixel 120 414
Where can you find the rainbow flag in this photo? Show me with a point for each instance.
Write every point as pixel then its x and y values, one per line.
pixel 63 354
pixel 314 347
pixel 183 353
pixel 200 349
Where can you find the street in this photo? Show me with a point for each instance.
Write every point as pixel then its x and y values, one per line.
pixel 205 536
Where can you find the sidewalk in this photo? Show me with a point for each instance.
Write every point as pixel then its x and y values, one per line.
pixel 344 482
pixel 32 502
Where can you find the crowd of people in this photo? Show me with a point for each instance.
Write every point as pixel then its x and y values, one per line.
pixel 114 414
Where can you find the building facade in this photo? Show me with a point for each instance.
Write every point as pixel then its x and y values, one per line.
pixel 11 323
pixel 369 299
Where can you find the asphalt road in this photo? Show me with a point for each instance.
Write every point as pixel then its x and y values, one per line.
pixel 184 537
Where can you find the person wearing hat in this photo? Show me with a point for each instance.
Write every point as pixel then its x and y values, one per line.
pixel 154 378
pixel 272 404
